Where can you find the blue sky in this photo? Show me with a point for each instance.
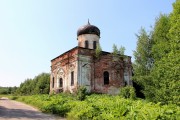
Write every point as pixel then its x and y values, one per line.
pixel 32 32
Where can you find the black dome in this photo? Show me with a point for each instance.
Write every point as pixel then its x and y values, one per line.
pixel 88 29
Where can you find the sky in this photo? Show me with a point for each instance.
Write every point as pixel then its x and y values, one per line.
pixel 33 32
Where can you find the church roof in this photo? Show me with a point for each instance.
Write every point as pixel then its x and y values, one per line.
pixel 88 29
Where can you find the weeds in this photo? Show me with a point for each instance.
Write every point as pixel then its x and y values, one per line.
pixel 99 107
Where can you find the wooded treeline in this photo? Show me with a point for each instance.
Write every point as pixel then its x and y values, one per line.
pixel 37 85
pixel 157 59
pixel 8 90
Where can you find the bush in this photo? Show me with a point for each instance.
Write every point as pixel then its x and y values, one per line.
pixel 128 92
pixel 81 93
pixel 14 97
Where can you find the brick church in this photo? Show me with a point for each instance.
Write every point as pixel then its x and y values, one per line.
pixel 79 66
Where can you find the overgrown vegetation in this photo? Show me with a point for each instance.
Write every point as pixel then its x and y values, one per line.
pixel 101 107
pixel 116 51
pixel 98 51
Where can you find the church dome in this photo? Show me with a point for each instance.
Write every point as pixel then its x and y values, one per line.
pixel 88 29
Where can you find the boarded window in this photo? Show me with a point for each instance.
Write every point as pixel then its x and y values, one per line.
pixel 60 82
pixel 86 44
pixel 53 82
pixel 106 78
pixel 72 78
pixel 94 44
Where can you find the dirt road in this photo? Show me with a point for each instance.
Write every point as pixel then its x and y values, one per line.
pixel 13 110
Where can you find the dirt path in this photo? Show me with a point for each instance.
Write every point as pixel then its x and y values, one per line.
pixel 13 110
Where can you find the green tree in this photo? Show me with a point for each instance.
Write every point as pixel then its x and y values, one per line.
pixel 115 50
pixel 143 61
pixel 174 32
pixel 122 50
pixel 160 48
pixel 143 57
pixel 43 82
pixel 156 51
pixel 165 75
pixel 160 37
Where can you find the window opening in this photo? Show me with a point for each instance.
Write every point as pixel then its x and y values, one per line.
pixel 94 44
pixel 60 82
pixel 72 78
pixel 53 82
pixel 106 78
pixel 86 44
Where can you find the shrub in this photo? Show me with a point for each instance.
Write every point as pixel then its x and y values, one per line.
pixel 128 92
pixel 81 93
pixel 14 97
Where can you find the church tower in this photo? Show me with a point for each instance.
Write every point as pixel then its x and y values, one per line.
pixel 88 36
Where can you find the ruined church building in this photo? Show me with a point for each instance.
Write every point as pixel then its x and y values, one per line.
pixel 79 67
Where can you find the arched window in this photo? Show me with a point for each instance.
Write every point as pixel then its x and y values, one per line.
pixel 86 44
pixel 53 82
pixel 106 78
pixel 60 82
pixel 72 78
pixel 94 44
